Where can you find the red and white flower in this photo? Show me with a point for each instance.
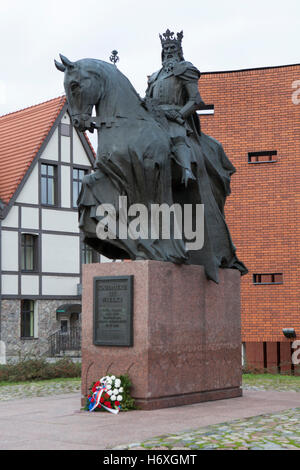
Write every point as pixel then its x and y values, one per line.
pixel 107 388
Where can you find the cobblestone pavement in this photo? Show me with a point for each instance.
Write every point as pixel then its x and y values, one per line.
pixel 39 389
pixel 278 431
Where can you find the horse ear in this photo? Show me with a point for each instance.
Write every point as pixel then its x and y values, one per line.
pixel 66 62
pixel 59 66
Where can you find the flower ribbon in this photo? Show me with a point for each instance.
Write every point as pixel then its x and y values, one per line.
pixel 97 396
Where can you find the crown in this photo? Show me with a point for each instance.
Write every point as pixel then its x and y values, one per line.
pixel 168 37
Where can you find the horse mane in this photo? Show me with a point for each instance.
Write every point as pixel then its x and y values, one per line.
pixel 113 77
pixel 118 96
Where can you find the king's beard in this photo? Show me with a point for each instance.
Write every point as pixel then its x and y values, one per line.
pixel 168 64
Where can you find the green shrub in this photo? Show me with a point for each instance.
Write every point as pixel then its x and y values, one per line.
pixel 39 369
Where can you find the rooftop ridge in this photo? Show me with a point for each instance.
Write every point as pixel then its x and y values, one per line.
pixel 22 122
pixel 90 144
pixel 61 97
pixel 23 134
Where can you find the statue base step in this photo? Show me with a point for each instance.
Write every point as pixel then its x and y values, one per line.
pixel 186 334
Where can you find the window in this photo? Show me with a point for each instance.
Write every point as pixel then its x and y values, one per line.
pixel 65 130
pixel 262 157
pixel 274 278
pixel 49 184
pixel 206 109
pixel 88 255
pixel 29 248
pixel 27 318
pixel 78 175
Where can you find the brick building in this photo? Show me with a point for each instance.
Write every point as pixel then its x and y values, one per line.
pixel 256 117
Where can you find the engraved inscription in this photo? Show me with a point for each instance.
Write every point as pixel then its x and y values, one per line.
pixel 113 311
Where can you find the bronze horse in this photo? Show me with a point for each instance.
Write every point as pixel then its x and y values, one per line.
pixel 134 159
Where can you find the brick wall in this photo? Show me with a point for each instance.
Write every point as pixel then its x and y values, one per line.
pixel 254 112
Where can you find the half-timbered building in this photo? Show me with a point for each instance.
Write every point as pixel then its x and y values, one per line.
pixel 43 159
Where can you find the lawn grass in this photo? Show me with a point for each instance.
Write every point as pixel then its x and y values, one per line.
pixel 248 379
pixel 41 382
pixel 271 379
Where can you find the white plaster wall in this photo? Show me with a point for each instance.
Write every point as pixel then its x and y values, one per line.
pixel 79 154
pixel 103 259
pixel 51 150
pixel 62 221
pixel 12 218
pixel 9 284
pixel 60 254
pixel 65 146
pixel 55 285
pixel 30 217
pixel 36 320
pixel 66 119
pixel 30 191
pixel 65 187
pixel 65 142
pixel 9 251
pixel 30 285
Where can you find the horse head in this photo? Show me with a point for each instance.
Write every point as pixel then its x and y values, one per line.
pixel 82 90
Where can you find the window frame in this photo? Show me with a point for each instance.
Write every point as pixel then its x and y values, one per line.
pixel 272 283
pixel 88 249
pixel 78 183
pixel 48 177
pixel 206 110
pixel 263 153
pixel 35 251
pixel 24 312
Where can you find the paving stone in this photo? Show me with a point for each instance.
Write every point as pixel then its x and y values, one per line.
pixel 12 392
pixel 265 432
pixel 135 444
pixel 271 446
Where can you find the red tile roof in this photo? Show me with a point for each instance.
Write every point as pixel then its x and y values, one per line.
pixel 21 135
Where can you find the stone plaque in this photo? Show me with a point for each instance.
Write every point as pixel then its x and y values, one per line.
pixel 113 311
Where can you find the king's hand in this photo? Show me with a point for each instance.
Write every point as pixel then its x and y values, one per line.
pixel 174 115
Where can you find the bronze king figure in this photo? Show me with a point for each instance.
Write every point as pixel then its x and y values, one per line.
pixel 151 151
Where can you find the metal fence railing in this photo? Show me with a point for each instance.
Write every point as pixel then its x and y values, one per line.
pixel 62 341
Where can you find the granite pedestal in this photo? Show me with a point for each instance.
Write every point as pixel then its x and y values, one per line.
pixel 186 334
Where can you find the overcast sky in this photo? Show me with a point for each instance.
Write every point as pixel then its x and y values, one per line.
pixel 218 35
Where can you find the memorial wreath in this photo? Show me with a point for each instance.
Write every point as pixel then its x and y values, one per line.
pixel 110 393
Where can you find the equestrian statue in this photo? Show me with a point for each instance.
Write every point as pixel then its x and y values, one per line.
pixel 152 152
